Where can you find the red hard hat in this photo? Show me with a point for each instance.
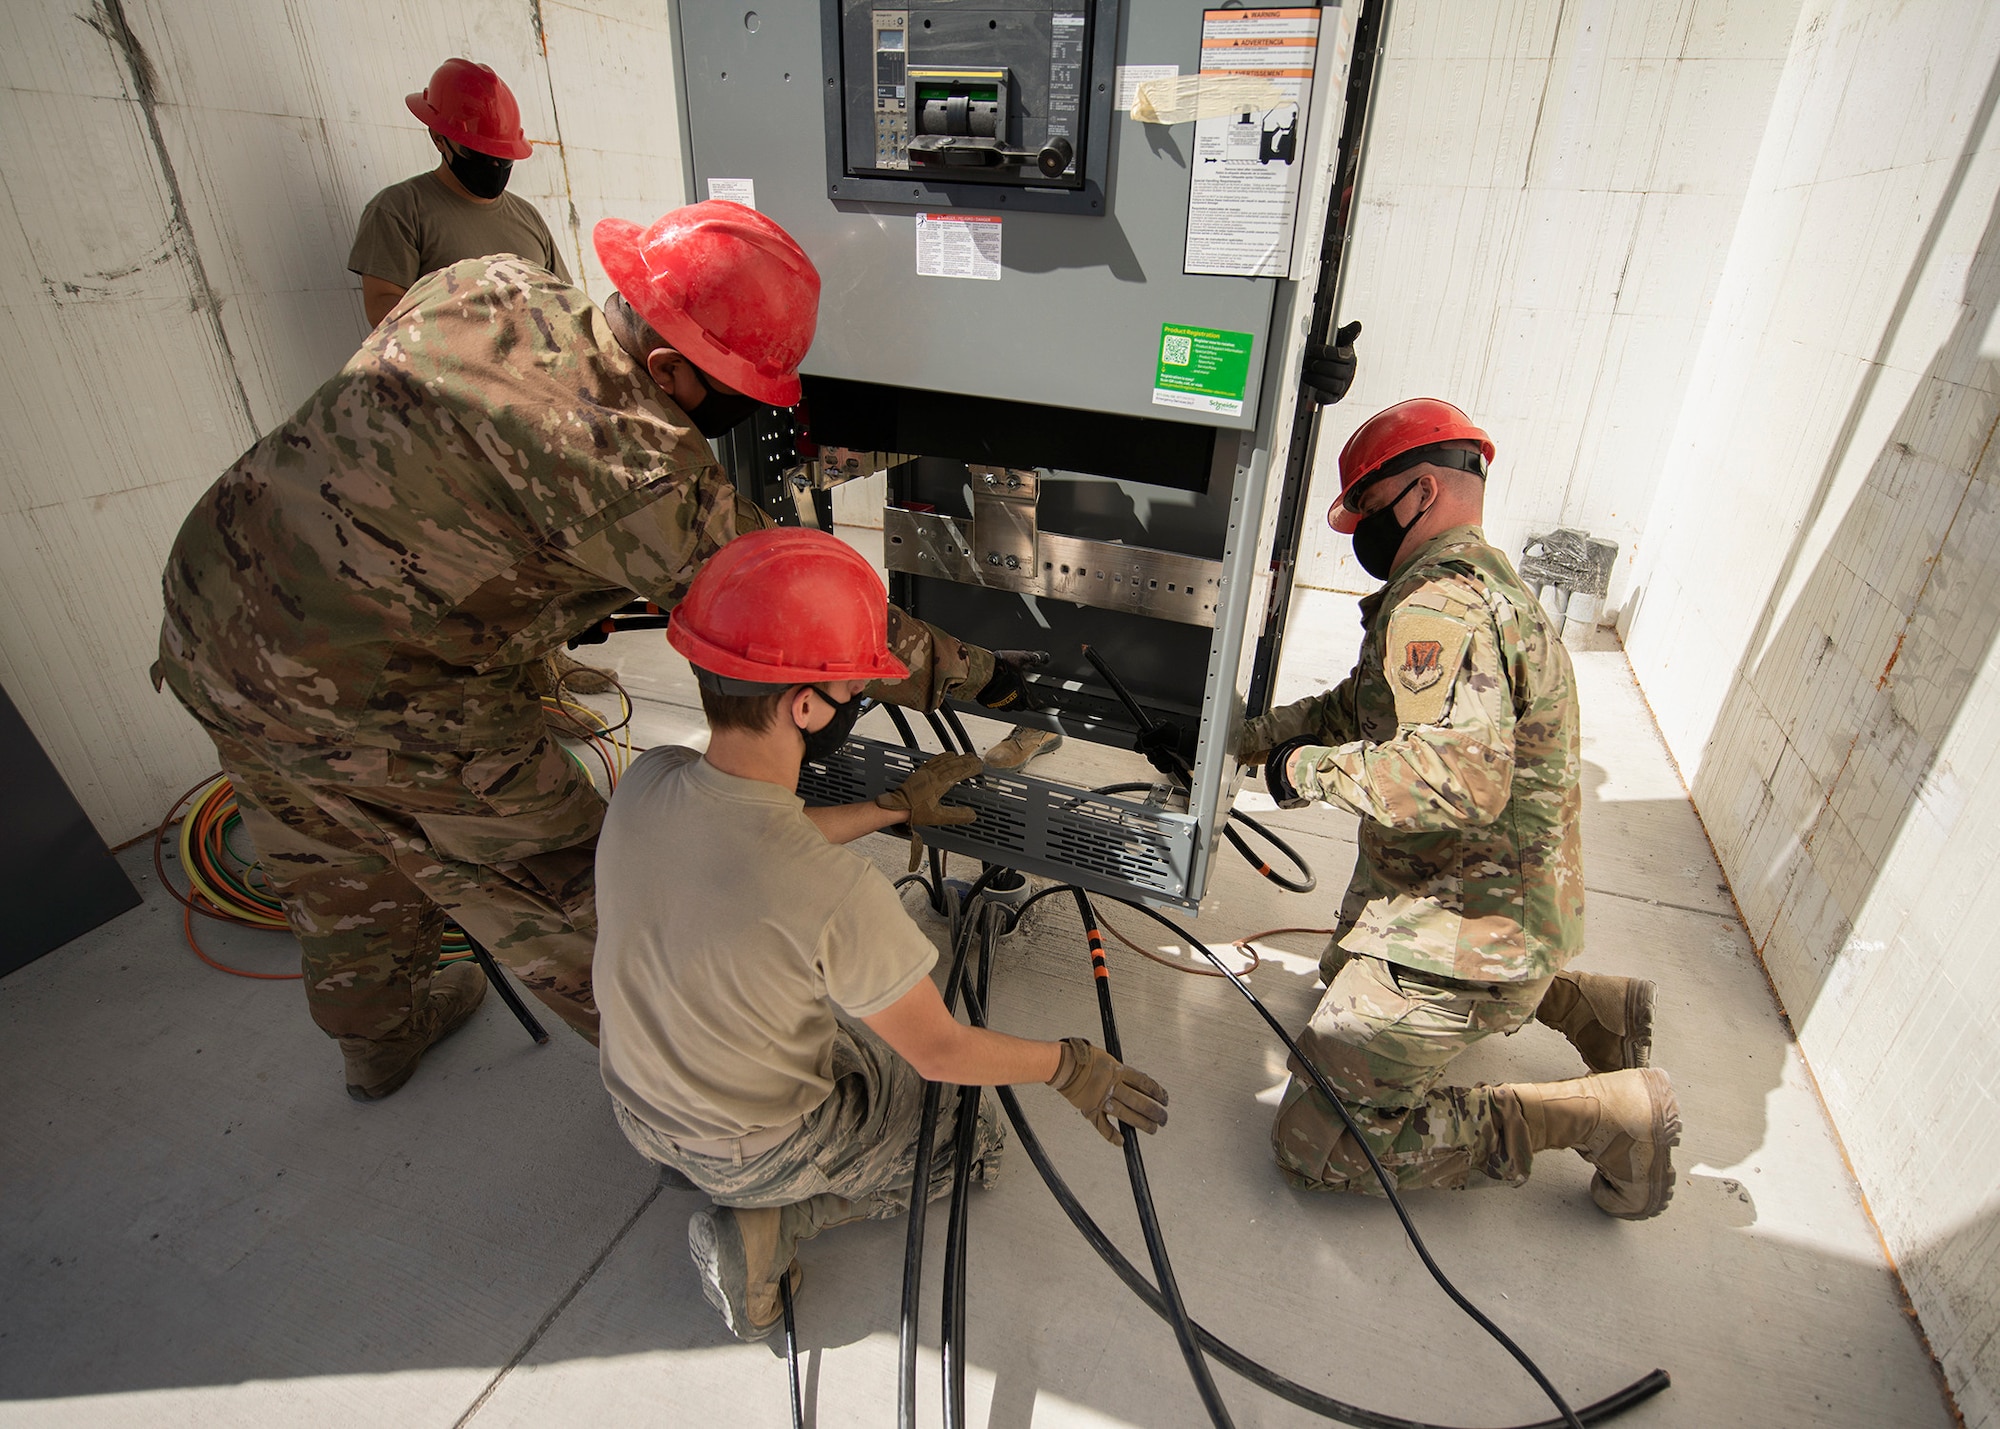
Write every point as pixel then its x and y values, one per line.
pixel 730 289
pixel 1419 422
pixel 786 607
pixel 471 105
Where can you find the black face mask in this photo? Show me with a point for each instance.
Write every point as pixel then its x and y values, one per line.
pixel 1379 535
pixel 720 412
pixel 825 741
pixel 483 175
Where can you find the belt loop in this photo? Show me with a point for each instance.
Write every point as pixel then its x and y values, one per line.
pixel 736 1152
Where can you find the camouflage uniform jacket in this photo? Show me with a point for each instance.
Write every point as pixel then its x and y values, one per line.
pixel 490 474
pixel 1455 740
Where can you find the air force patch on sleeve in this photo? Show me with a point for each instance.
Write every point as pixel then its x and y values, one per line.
pixel 1422 655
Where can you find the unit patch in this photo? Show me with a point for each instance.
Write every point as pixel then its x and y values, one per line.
pixel 1422 654
pixel 1423 664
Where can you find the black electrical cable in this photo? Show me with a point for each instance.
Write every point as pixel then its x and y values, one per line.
pixel 1290 885
pixel 902 723
pixel 938 891
pixel 944 738
pixel 1326 1090
pixel 920 1179
pixel 913 1261
pixel 934 885
pixel 1184 776
pixel 1258 1374
pixel 792 1351
pixel 958 728
pixel 951 1325
pixel 1142 1196
pixel 1020 910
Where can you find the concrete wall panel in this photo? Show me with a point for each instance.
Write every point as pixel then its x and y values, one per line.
pixel 1539 236
pixel 1815 613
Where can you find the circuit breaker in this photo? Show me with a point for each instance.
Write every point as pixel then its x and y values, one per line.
pixel 970 101
pixel 1069 338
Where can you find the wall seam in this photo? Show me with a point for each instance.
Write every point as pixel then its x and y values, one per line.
pixel 109 20
pixel 562 148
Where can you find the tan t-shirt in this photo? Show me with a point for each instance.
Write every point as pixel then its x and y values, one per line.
pixel 419 226
pixel 728 929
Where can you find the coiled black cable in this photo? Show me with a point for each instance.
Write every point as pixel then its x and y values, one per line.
pixel 1326 1090
pixel 1250 1369
pixel 1142 1195
pixel 1307 880
pixel 1258 1374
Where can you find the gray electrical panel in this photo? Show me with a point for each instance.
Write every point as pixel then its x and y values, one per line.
pixel 1004 259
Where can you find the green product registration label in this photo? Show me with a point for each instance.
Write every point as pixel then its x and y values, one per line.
pixel 1203 369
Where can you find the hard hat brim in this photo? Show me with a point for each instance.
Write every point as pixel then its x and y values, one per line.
pixel 426 112
pixel 727 663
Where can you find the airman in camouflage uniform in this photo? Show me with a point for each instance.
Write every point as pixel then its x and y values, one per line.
pixel 1455 740
pixel 354 609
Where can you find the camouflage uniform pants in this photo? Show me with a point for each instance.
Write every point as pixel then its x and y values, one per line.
pixel 370 849
pixel 856 1154
pixel 1383 1036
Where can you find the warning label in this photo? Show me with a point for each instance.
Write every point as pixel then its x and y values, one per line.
pixel 1202 369
pixel 1243 182
pixel 958 245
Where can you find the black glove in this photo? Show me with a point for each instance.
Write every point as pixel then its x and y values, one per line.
pixel 1275 778
pixel 1008 690
pixel 1329 371
pixel 1162 747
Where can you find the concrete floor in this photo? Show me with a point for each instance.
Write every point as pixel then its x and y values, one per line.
pixel 201 1228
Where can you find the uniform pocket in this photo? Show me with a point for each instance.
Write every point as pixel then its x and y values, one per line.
pixel 513 804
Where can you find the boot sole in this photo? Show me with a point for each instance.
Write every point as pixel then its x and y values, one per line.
pixel 1666 1135
pixel 1005 765
pixel 706 1248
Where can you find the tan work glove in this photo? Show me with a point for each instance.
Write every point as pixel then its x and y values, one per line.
pixel 1102 1087
pixel 919 795
pixel 1250 745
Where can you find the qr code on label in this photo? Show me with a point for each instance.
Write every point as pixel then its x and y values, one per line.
pixel 1176 350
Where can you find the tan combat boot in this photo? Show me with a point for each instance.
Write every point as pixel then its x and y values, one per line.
pixel 375 1068
pixel 1024 743
pixel 1623 1123
pixel 1609 1020
pixel 562 673
pixel 738 1252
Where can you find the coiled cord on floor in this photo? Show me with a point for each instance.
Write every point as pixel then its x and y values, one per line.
pixel 1602 1410
pixel 1258 1374
pixel 1325 1088
pixel 228 886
